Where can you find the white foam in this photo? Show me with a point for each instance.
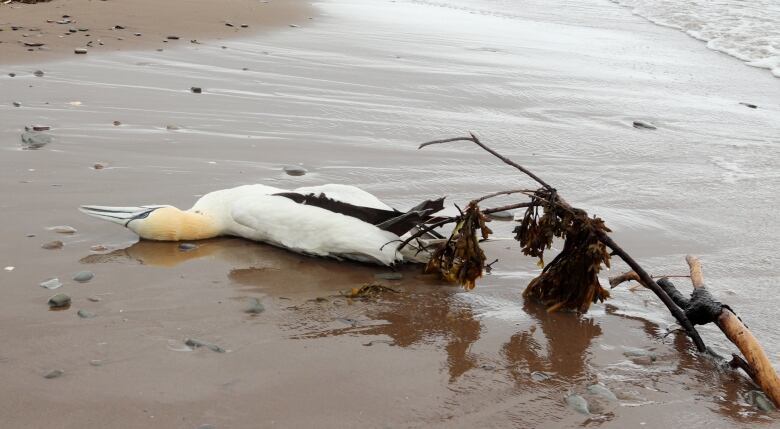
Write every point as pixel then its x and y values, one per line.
pixel 749 31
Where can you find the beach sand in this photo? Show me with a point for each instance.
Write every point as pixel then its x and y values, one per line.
pixel 62 26
pixel 349 96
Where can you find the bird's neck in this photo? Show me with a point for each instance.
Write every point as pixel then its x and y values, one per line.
pixel 172 224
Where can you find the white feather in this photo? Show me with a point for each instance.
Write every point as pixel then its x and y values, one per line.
pixel 312 230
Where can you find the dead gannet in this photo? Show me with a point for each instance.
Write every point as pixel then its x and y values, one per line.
pixel 338 221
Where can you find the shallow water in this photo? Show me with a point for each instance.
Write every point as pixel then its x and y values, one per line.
pixel 555 86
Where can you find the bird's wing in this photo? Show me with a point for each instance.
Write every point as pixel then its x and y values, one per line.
pixel 346 194
pixel 312 230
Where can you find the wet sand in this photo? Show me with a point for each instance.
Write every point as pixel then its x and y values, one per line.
pixel 349 97
pixel 62 26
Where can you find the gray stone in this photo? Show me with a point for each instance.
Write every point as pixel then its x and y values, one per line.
pixel 758 399
pixel 96 362
pixel 12 74
pixel 35 140
pixel 389 276
pixel 17 104
pixel 598 389
pixel 540 376
pixel 51 284
pixel 192 342
pixel 186 247
pixel 502 215
pixel 172 127
pixel 645 125
pixel 294 170
pixel 52 245
pixel 84 314
pixel 83 276
pixel 93 299
pixel 254 306
pixel 62 229
pixel 577 403
pixel 55 373
pixel 59 301
pixel 640 353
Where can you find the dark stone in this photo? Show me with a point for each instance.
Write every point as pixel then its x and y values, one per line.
pixel 750 105
pixel 196 90
pixel 35 140
pixel 191 342
pixel 119 27
pixel 173 37
pixel 80 51
pixel 644 125
pixel 294 170
pixel 12 74
pixel 59 301
pixel 38 73
pixel 54 374
pixel 17 104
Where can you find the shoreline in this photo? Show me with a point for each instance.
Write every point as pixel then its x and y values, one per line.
pixel 42 32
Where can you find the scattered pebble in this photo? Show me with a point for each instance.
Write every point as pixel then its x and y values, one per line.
pixel 172 127
pixel 98 248
pixel 54 374
pixel 254 306
pixel 227 24
pixel 750 105
pixel 389 276
pixel 186 247
pixel 502 215
pixel 96 362
pixel 294 170
pixel 83 276
pixel 293 26
pixel 196 90
pixel 35 140
pixel 757 398
pixel 119 27
pixel 191 342
pixel 117 123
pixel 244 26
pixel 37 128
pixel 84 314
pixel 578 403
pixel 173 37
pixel 62 229
pixel 93 299
pixel 640 353
pixel 80 51
pixel 137 34
pixel 59 301
pixel 17 104
pixel 645 125
pixel 52 245
pixel 98 166
pixel 51 284
pixel 12 74
pixel 540 376
pixel 33 44
pixel 598 389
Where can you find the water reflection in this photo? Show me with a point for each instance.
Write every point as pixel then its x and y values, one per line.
pixel 567 337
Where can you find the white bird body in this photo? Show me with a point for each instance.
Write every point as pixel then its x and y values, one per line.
pixel 258 212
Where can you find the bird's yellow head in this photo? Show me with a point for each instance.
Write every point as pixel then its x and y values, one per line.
pixel 159 223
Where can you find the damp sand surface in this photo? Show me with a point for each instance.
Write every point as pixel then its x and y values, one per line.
pixel 56 29
pixel 348 97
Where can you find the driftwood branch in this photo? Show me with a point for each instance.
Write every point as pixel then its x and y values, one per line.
pixel 761 369
pixel 584 238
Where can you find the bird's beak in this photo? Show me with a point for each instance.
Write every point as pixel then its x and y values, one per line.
pixel 120 215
